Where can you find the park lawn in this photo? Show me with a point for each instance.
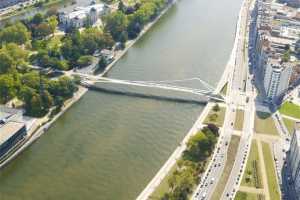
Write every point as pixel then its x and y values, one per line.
pixel 248 196
pixel 163 187
pixel 271 173
pixel 290 124
pixel 232 150
pixel 218 120
pixel 239 120
pixel 254 168
pixel 290 109
pixel 264 124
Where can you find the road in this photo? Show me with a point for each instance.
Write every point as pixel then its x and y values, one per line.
pixel 240 94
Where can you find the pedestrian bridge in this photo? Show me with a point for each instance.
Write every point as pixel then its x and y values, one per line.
pixel 89 80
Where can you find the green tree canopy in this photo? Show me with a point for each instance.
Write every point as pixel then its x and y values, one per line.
pixel 6 63
pixel 116 24
pixel 17 33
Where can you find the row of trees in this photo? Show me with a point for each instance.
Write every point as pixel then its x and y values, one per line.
pixel 128 22
pixel 193 161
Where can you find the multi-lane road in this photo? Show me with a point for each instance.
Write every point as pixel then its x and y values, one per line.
pixel 240 95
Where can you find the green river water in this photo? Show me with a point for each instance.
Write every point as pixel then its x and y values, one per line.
pixel 108 146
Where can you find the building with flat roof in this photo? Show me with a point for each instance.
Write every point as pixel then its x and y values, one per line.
pixel 82 16
pixel 276 79
pixel 275 32
pixel 12 129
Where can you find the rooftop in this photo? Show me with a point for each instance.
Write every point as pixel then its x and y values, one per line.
pixel 9 129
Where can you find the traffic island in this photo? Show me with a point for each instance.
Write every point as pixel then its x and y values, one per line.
pixel 216 116
pixel 264 124
pixel 239 120
pixel 231 154
pixel 248 196
pixel 270 172
pixel 224 89
pixel 252 174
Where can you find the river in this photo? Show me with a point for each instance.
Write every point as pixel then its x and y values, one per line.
pixel 108 146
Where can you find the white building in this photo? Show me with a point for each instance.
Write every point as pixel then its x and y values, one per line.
pixel 83 15
pixel 276 78
pixel 293 159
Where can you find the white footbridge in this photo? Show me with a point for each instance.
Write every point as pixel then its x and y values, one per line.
pixel 209 91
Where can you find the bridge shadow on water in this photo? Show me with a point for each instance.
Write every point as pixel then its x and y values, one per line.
pixel 202 101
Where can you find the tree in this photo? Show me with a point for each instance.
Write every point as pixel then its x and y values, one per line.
pixel 198 146
pixel 84 61
pixel 7 88
pixel 6 63
pixel 42 30
pixel 216 108
pixel 37 19
pixel 64 87
pixel 134 28
pixel 116 23
pixel 36 104
pixel 286 56
pixel 18 54
pixel 91 40
pixel 71 50
pixel 213 128
pixel 17 33
pixel 102 63
pixel 31 79
pixel 121 6
pixel 52 23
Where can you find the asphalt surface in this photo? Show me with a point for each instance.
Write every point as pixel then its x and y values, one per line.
pixel 240 94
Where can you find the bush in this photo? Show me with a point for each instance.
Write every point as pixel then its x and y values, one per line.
pixel 84 61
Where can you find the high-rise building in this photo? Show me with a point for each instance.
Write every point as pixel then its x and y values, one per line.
pixel 293 159
pixel 276 78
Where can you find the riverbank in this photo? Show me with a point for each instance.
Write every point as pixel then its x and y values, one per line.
pixel 130 43
pixel 43 124
pixel 226 78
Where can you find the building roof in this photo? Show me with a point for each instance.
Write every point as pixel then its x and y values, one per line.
pixel 82 12
pixel 9 129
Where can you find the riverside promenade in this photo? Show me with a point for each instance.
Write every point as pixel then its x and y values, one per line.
pixel 226 77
